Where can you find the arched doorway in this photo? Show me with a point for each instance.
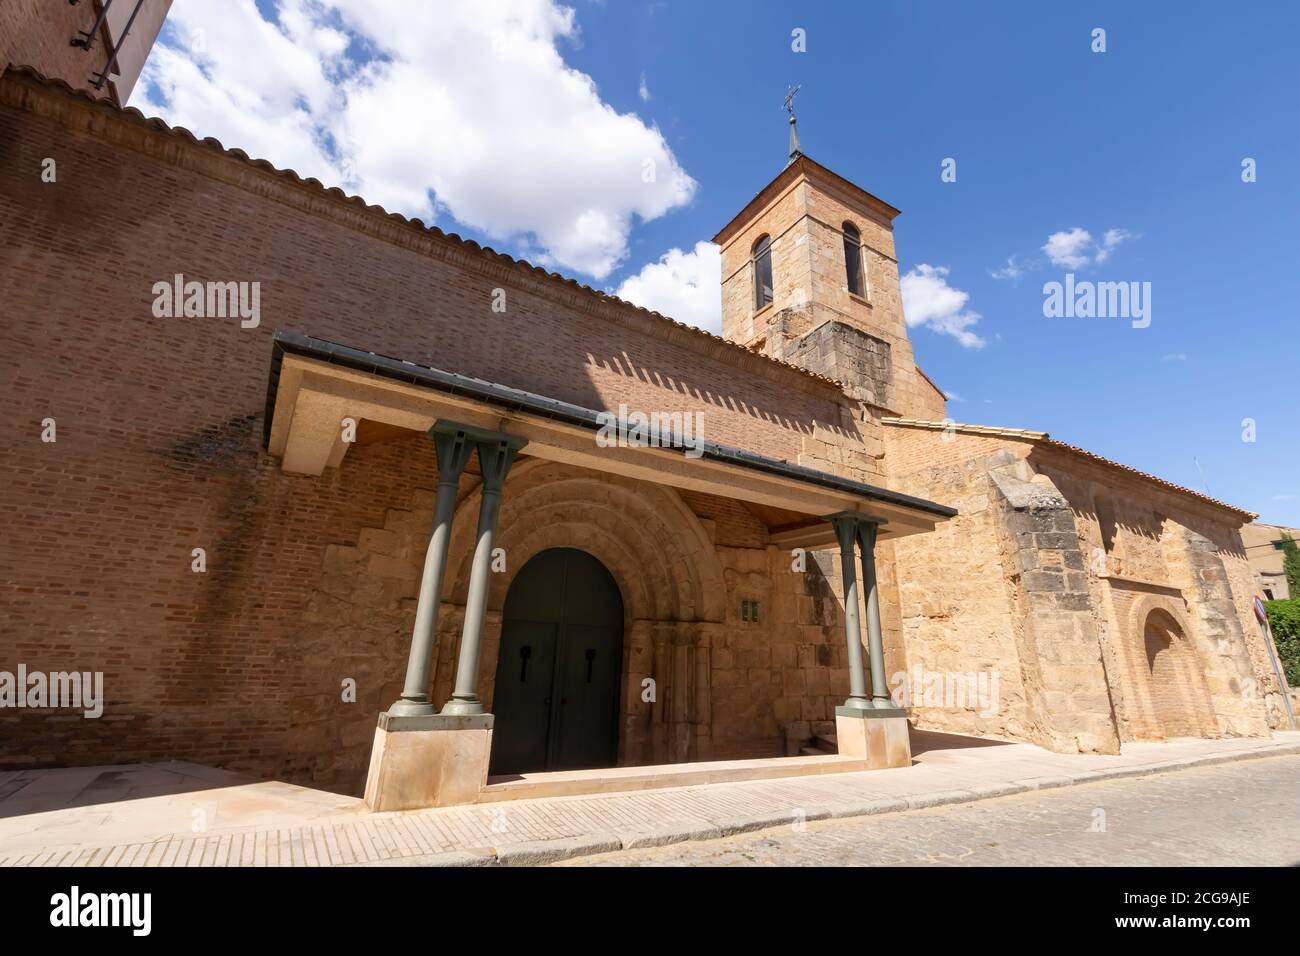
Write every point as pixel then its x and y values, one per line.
pixel 1176 694
pixel 557 684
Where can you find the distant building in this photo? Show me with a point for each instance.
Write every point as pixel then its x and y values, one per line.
pixel 1264 550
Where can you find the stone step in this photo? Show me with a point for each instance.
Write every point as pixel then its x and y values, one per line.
pixel 560 783
pixel 826 744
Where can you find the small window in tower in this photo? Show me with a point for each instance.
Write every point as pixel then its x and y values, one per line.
pixel 762 272
pixel 853 259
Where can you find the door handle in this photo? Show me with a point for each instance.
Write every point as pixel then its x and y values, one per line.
pixel 525 652
pixel 591 658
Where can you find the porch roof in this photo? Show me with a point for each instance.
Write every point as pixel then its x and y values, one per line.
pixel 314 383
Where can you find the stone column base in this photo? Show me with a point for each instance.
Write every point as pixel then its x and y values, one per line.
pixel 420 762
pixel 877 736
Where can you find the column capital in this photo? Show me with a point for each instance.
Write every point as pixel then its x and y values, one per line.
pixel 453 448
pixel 868 531
pixel 456 441
pixel 854 518
pixel 476 434
pixel 845 530
pixel 851 525
pixel 495 456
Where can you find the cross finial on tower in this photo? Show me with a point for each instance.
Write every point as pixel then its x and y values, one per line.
pixel 794 131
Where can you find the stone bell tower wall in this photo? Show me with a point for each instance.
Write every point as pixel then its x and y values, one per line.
pixel 814 320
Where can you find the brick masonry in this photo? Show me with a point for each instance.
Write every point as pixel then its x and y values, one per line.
pixel 39 32
pixel 310 581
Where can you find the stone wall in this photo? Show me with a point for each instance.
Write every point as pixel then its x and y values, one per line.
pixel 812 307
pixel 846 354
pixel 1060 650
pixel 1072 561
pixel 957 597
pixel 1140 538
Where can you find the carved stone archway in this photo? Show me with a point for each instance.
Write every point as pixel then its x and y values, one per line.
pixel 667 571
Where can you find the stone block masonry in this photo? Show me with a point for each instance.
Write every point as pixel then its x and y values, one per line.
pixel 1113 608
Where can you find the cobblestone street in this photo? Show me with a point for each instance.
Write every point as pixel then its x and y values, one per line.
pixel 1239 814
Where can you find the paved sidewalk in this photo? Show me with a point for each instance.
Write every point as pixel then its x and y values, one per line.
pixel 1231 814
pixel 186 815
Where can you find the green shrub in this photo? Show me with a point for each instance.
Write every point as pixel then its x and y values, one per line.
pixel 1291 563
pixel 1284 619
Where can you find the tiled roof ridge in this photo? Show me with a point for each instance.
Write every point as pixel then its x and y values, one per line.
pixel 1047 439
pixel 211 142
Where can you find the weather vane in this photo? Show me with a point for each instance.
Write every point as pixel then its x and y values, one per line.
pixel 794 132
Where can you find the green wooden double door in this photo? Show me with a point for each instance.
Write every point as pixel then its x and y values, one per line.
pixel 557 684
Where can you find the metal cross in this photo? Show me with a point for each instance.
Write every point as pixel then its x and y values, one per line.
pixel 789 99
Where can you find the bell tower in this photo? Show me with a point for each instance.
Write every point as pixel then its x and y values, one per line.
pixel 809 276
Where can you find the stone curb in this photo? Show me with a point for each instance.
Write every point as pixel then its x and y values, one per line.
pixel 457 858
pixel 664 836
pixel 868 808
pixel 536 852
pixel 772 820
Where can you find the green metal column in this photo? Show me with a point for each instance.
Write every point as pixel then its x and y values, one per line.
pixel 867 533
pixel 495 456
pixel 453 448
pixel 846 528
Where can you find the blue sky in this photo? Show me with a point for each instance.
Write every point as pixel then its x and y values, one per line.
pixel 1144 141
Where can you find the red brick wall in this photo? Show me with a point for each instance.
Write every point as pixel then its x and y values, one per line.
pixel 38 33
pixel 159 422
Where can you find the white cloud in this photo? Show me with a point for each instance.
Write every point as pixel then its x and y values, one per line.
pixel 1076 248
pixel 643 91
pixel 684 285
pixel 1012 270
pixel 1111 239
pixel 928 300
pixel 1174 357
pixel 458 108
pixel 1069 249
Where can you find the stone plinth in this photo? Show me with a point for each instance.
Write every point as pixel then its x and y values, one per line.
pixel 877 736
pixel 428 761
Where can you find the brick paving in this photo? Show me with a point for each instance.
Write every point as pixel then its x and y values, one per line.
pixel 186 815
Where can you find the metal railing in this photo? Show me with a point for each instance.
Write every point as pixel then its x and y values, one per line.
pixel 86 39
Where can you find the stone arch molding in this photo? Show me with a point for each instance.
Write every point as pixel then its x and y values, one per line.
pixel 1173 606
pixel 1195 713
pixel 651 542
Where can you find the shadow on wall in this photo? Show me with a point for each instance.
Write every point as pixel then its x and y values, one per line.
pixel 622 364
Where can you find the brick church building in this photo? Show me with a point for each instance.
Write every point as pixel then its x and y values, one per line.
pixel 321 490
